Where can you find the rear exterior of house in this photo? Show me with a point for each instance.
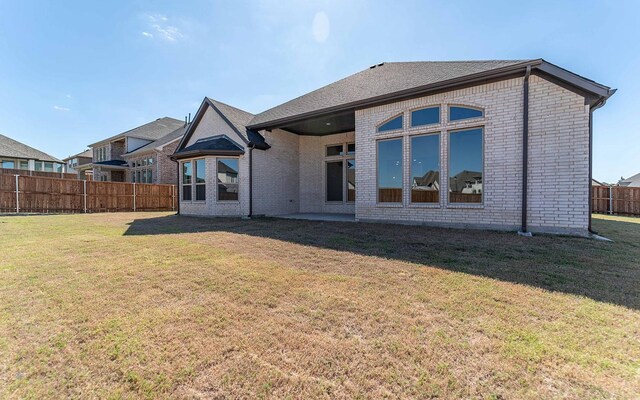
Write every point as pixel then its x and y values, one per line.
pixel 416 143
pixel 111 161
pixel 16 155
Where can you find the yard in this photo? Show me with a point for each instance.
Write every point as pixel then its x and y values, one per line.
pixel 152 305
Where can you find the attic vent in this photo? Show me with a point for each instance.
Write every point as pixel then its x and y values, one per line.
pixel 376 65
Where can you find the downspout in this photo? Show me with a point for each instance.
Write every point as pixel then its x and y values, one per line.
pixel 525 149
pixel 250 179
pixel 592 108
pixel 178 194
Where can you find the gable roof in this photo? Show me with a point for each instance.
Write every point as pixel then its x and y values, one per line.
pixel 87 153
pixel 236 118
pixel 13 149
pixel 632 181
pixel 175 135
pixel 393 81
pixel 151 131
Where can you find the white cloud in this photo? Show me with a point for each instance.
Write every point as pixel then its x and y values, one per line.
pixel 159 25
pixel 321 27
pixel 60 108
pixel 68 96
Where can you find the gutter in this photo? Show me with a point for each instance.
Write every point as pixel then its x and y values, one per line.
pixel 178 191
pixel 525 151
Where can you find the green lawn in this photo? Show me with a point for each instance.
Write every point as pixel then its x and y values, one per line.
pixel 151 305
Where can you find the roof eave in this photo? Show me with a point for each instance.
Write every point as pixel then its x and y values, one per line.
pixel 372 101
pixel 600 92
pixel 200 153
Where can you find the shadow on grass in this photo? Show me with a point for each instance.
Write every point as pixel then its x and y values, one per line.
pixel 607 272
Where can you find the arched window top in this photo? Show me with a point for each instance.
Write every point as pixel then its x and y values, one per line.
pixel 391 125
pixel 457 113
pixel 425 116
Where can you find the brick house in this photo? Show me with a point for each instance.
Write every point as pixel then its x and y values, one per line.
pixel 80 164
pixel 460 144
pixel 151 163
pixel 109 163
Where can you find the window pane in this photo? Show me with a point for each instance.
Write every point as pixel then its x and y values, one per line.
pixel 426 116
pixel 138 177
pixel 334 150
pixel 186 173
pixel 425 169
pixel 58 167
pixel 186 192
pixel 351 180
pixel 334 181
pixel 24 164
pixel 351 149
pixel 8 164
pixel 149 176
pixel 200 171
pixel 227 179
pixel 395 123
pixel 201 192
pixel 48 167
pixel 390 171
pixel 457 113
pixel 38 165
pixel 465 166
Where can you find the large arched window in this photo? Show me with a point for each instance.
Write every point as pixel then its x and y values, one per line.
pixel 391 125
pixel 457 113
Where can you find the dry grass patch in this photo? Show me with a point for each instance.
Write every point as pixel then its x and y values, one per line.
pixel 154 305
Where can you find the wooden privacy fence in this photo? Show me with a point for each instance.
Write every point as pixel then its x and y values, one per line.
pixel 25 172
pixel 615 200
pixel 53 195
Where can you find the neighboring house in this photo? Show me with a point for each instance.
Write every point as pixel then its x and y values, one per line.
pixel 151 163
pixel 598 183
pixel 392 126
pixel 633 181
pixel 16 155
pixel 81 164
pixel 109 162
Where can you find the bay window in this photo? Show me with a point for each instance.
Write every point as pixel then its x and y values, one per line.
pixel 227 173
pixel 201 182
pixel 186 180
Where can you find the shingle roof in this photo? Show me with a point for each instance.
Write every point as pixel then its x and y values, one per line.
pixel 632 181
pixel 239 119
pixel 213 145
pixel 111 162
pixel 151 131
pixel 380 80
pixel 14 149
pixel 177 134
pixel 87 153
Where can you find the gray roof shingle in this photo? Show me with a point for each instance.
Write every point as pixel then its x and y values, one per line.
pixel 13 149
pixel 177 134
pixel 152 131
pixel 383 79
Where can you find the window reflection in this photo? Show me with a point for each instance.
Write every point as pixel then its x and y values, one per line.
pixel 425 169
pixel 390 171
pixel 465 166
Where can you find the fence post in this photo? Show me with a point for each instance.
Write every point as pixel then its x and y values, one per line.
pixel 17 196
pixel 134 196
pixel 610 200
pixel 84 192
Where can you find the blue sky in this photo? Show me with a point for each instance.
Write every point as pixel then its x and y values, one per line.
pixel 73 72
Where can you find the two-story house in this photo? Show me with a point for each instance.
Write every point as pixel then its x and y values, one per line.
pixel 109 163
pixel 80 164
